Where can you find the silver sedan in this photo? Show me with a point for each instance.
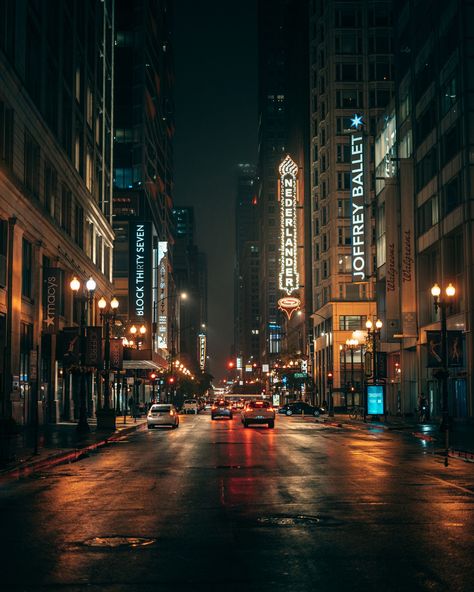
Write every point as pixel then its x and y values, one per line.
pixel 162 415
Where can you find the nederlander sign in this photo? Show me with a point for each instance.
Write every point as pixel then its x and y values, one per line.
pixel 358 208
pixel 140 271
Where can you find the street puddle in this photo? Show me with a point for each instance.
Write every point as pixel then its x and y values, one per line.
pixel 114 542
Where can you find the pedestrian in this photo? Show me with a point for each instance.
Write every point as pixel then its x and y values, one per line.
pixel 423 410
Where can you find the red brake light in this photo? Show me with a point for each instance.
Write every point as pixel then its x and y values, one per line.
pixel 171 412
pixel 270 409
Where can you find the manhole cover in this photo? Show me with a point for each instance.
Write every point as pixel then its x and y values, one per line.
pixel 298 520
pixel 118 541
pixel 228 467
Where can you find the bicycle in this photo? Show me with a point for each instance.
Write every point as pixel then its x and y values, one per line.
pixel 356 412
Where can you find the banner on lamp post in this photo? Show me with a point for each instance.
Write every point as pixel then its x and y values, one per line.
pixel 116 354
pixel 93 355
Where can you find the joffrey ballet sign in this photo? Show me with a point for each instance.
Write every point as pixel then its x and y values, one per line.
pixel 358 221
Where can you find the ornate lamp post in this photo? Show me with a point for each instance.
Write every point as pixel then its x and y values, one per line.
pixel 373 333
pixel 108 312
pixel 86 299
pixel 442 303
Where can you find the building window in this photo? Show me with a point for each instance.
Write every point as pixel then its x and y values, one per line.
pixel 348 43
pixel 428 215
pixel 348 99
pixel 343 180
pixel 451 195
pixel 348 72
pixel 343 153
pixel 50 187
pixel 27 270
pixel 6 135
pixel 32 165
pixel 448 95
pixel 66 198
pixel 352 322
pixel 3 252
pixel 79 225
pixel 343 208
pixel 26 345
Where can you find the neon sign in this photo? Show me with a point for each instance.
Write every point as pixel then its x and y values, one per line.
pixel 289 276
pixel 358 208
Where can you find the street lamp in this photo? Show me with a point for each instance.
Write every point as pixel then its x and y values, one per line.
pixel 373 333
pixel 108 312
pixel 86 299
pixel 352 344
pixel 443 373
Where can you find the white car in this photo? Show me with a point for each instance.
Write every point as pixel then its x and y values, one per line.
pixel 190 406
pixel 162 414
pixel 258 412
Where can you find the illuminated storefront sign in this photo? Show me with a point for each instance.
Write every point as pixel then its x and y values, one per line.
pixel 289 279
pixel 358 222
pixel 202 351
pixel 140 272
pixel 162 295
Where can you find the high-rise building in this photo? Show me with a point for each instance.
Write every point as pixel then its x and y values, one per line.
pixel 190 276
pixel 246 271
pixel 351 70
pixel 143 176
pixel 283 121
pixel 424 226
pixel 56 64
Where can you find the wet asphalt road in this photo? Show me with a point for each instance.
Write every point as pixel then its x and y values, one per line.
pixel 217 507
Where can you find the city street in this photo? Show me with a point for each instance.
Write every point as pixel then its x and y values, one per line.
pixel 213 506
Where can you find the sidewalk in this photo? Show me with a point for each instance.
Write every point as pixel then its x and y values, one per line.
pixel 461 436
pixel 59 443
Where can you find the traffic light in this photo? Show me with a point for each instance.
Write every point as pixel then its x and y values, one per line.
pixel 171 380
pixel 330 377
pixel 230 365
pixel 152 376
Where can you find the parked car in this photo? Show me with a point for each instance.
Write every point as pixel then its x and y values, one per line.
pixel 162 414
pixel 303 408
pixel 190 406
pixel 283 409
pixel 221 409
pixel 258 412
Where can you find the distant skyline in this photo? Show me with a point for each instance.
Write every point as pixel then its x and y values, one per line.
pixel 215 47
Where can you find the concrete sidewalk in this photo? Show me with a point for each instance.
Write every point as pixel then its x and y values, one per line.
pixel 461 436
pixel 59 443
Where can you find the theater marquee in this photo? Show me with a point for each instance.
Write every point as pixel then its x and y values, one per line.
pixel 289 279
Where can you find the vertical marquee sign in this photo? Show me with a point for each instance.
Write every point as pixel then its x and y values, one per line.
pixel 140 272
pixel 358 218
pixel 52 298
pixel 202 351
pixel 289 278
pixel 162 295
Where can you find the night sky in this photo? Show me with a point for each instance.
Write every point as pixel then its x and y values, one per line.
pixel 215 49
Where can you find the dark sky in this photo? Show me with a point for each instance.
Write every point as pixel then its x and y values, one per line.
pixel 216 127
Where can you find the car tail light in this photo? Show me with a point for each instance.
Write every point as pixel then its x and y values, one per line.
pixel 270 409
pixel 171 412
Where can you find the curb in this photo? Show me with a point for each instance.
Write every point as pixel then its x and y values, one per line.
pixel 69 456
pixel 464 455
